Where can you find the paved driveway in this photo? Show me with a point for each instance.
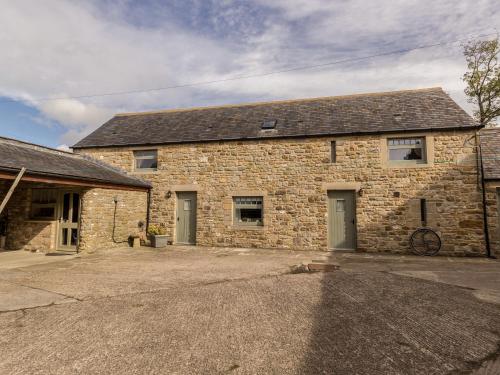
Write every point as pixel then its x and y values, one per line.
pixel 205 311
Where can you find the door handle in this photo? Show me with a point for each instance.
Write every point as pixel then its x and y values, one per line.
pixel 177 218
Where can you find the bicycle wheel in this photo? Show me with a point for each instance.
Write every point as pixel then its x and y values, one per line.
pixel 425 242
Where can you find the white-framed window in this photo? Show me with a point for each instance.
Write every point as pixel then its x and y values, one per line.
pixel 43 204
pixel 248 211
pixel 406 150
pixel 146 160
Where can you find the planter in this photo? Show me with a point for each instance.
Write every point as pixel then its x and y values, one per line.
pixel 160 240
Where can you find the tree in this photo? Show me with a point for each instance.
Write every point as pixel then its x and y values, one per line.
pixel 483 78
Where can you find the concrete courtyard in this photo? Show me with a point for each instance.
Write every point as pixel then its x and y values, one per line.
pixel 187 310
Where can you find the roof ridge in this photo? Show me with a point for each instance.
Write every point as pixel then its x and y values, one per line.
pixel 250 104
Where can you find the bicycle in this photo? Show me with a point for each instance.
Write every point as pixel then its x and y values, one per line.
pixel 424 241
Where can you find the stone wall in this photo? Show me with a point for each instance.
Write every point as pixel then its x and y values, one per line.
pixel 22 232
pixel 293 176
pixel 492 197
pixel 98 217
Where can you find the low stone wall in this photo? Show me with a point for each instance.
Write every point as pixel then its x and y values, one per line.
pixel 101 228
pixel 492 197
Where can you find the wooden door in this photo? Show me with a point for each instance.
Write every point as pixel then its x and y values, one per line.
pixel 342 219
pixel 69 220
pixel 186 218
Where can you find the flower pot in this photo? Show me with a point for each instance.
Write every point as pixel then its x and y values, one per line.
pixel 160 240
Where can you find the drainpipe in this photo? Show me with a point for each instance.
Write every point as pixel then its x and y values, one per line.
pixel 485 209
pixel 148 206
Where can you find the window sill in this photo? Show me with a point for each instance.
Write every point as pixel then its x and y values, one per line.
pixel 408 165
pixel 46 221
pixel 247 227
pixel 144 171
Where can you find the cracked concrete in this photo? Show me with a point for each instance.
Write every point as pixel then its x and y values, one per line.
pixel 195 310
pixel 16 297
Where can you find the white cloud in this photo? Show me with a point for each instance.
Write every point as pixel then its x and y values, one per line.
pixel 64 147
pixel 61 48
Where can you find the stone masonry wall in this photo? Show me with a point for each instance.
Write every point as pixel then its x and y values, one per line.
pixel 492 196
pixel 97 218
pixel 22 232
pixel 293 176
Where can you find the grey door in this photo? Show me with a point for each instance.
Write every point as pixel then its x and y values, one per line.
pixel 342 219
pixel 186 218
pixel 69 218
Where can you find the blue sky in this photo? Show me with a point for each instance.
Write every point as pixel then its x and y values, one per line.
pixel 67 49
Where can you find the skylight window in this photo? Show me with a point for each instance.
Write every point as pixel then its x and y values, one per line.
pixel 269 124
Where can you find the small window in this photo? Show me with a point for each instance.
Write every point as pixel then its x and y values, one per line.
pixel 146 160
pixel 268 124
pixel 333 152
pixel 43 204
pixel 423 211
pixel 248 210
pixel 407 150
pixel 340 206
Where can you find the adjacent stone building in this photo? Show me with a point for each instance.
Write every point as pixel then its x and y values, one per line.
pixel 490 147
pixel 66 202
pixel 357 172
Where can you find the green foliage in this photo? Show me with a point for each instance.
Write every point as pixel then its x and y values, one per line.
pixel 483 78
pixel 157 230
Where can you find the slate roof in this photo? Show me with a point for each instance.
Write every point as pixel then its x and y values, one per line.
pixel 490 148
pixel 411 110
pixel 44 161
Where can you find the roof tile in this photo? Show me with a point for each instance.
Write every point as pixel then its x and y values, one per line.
pixel 356 114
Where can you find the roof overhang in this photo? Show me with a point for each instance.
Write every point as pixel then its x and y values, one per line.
pixel 284 137
pixel 31 176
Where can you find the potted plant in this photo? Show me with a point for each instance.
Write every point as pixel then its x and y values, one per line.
pixel 157 235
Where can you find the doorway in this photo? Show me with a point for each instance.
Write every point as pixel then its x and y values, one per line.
pixel 342 219
pixel 186 218
pixel 69 220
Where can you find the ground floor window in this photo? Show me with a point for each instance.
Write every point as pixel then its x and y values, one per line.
pixel 43 204
pixel 248 210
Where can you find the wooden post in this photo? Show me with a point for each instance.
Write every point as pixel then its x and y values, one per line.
pixel 12 188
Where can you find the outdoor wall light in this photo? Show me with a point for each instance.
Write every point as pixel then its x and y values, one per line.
pixel 361 192
pixel 168 195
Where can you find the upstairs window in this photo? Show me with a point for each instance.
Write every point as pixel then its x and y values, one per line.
pixel 146 160
pixel 248 210
pixel 43 204
pixel 406 150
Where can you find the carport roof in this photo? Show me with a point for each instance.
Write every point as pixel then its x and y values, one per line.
pixel 56 164
pixel 490 148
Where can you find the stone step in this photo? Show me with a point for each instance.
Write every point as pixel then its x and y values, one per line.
pixel 322 267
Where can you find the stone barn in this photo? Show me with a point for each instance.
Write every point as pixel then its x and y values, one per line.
pixel 352 173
